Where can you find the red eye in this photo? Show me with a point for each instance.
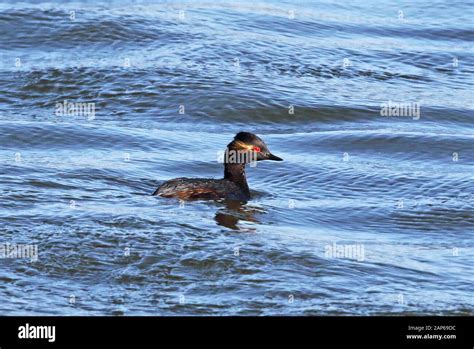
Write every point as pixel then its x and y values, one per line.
pixel 257 149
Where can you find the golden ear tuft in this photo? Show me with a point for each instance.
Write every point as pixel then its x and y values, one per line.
pixel 243 145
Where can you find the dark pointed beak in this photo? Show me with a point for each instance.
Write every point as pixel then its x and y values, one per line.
pixel 270 156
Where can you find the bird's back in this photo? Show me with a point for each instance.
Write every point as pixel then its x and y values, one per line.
pixel 198 188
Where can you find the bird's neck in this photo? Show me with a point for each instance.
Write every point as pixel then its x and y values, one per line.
pixel 236 173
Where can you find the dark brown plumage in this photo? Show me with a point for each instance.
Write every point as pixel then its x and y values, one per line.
pixel 245 148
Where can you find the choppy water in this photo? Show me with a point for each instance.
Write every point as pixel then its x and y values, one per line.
pixel 78 186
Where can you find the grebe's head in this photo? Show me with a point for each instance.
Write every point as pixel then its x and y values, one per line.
pixel 252 146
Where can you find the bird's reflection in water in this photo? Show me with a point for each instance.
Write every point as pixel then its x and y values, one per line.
pixel 234 212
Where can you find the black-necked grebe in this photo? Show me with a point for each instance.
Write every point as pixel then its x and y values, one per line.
pixel 245 148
